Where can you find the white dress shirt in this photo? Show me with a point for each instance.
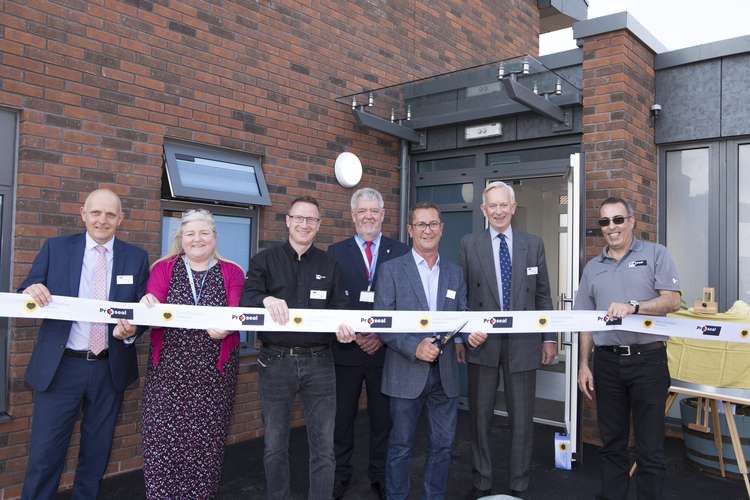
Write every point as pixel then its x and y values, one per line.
pixel 429 277
pixel 79 332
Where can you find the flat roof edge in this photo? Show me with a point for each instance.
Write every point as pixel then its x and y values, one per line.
pixel 572 57
pixel 706 51
pixel 614 22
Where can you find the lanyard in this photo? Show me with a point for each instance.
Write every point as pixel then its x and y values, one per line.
pixel 196 296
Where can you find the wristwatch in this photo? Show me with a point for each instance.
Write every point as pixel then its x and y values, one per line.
pixel 636 305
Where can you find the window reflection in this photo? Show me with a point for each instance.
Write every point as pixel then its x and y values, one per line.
pixel 687 218
pixel 744 223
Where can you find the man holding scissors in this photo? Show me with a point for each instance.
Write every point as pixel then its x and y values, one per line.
pixel 359 259
pixel 421 370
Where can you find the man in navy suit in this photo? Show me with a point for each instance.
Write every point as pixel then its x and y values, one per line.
pixel 76 365
pixel 360 258
pixel 416 375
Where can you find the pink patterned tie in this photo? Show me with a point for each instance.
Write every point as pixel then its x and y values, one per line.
pixel 98 334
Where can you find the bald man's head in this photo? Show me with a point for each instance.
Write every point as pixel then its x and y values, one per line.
pixel 102 214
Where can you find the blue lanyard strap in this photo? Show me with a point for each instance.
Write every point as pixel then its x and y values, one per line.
pixel 196 296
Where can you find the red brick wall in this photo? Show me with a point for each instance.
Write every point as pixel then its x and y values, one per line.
pixel 100 84
pixel 618 141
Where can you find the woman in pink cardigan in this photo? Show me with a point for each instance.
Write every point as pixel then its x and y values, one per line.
pixel 191 378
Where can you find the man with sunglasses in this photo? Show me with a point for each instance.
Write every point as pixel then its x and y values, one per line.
pixel 296 274
pixel 630 372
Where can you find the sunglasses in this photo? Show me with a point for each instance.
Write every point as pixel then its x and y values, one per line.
pixel 617 219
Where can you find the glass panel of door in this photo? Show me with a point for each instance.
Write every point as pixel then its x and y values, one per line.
pixel 542 210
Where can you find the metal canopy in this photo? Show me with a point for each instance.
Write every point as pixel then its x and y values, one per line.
pixel 494 90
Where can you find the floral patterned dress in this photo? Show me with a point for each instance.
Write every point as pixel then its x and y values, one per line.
pixel 187 401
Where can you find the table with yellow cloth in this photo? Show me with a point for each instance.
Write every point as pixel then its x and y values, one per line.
pixel 708 362
pixel 715 371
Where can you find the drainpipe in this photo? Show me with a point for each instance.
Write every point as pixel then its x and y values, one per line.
pixel 404 199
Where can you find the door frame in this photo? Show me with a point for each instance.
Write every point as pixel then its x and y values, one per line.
pixel 568 168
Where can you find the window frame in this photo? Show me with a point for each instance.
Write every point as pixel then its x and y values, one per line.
pixel 173 147
pixel 9 138
pixel 247 348
pixel 723 216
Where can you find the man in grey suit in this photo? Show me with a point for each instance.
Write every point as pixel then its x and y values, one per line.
pixel 505 270
pixel 416 375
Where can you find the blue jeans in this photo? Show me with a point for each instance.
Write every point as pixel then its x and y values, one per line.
pixel 442 413
pixel 282 377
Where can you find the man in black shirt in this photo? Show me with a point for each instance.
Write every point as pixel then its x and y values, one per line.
pixel 297 275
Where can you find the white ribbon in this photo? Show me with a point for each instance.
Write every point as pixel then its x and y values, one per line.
pixel 327 320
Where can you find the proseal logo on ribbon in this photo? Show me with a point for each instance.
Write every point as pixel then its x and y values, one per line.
pixel 117 313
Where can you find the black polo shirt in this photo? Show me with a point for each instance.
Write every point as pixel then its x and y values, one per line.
pixel 279 272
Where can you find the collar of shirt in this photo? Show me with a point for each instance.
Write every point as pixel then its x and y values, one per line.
pixel 91 243
pixel 430 276
pixel 635 246
pixel 420 261
pixel 508 235
pixel 375 243
pixel 293 253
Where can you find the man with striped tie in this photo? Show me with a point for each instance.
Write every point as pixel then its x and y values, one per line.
pixel 77 365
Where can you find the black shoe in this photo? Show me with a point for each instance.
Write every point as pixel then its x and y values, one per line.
pixel 379 488
pixel 339 488
pixel 477 493
pixel 518 494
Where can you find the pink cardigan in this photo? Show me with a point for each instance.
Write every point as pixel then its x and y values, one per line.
pixel 158 286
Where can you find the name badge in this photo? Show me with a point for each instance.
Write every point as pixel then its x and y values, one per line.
pixel 318 294
pixel 531 271
pixel 365 296
pixel 638 263
pixel 124 279
pixel 450 294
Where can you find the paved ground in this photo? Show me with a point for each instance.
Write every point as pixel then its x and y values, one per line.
pixel 244 479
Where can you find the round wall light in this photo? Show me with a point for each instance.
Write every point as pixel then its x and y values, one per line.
pixel 348 169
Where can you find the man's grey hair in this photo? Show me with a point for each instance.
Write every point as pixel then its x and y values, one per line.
pixel 615 200
pixel 367 194
pixel 501 185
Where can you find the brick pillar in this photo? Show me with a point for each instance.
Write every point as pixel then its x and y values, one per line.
pixel 618 141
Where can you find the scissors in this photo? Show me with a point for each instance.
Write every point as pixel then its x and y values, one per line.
pixel 442 340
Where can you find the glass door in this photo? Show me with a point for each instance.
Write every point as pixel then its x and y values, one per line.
pixel 548 207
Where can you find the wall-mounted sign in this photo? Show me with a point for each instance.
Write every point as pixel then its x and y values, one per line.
pixel 484 131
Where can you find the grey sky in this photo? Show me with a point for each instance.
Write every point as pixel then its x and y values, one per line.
pixel 675 23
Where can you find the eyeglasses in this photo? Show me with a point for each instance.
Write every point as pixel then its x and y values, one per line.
pixel 421 226
pixel 617 219
pixel 299 219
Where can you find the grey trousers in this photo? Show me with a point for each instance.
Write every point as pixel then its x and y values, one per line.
pixel 520 390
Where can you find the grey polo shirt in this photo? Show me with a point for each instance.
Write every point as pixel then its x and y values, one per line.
pixel 639 275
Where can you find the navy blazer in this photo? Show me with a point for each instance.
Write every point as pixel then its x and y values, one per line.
pixel 400 288
pixel 354 274
pixel 58 267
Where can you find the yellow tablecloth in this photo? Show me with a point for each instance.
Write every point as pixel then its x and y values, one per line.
pixel 717 364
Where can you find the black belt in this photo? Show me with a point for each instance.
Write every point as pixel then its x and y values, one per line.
pixel 295 351
pixel 90 356
pixel 631 350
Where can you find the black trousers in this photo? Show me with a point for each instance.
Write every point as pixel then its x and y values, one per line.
pixel 637 384
pixel 348 389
